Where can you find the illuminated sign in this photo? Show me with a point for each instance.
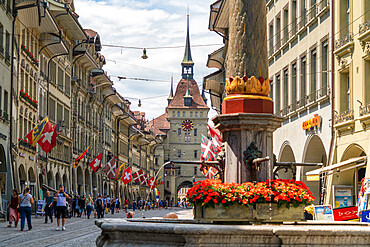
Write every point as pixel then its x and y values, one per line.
pixel 312 123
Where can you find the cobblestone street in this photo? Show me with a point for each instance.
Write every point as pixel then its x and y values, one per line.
pixel 79 231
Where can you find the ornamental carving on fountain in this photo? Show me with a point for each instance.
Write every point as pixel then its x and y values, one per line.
pixel 247 95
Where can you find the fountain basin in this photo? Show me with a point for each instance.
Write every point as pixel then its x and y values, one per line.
pixel 257 213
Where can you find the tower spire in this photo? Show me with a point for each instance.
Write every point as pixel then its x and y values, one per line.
pixel 187 63
pixel 170 97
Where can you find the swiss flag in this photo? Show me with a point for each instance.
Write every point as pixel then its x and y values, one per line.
pixel 96 163
pixel 151 183
pixel 48 139
pixel 126 178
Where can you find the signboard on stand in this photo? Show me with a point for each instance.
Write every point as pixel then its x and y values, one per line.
pixel 323 213
pixel 346 213
pixel 342 196
pixel 40 207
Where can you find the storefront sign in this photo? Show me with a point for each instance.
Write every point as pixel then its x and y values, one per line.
pixel 313 177
pixel 312 123
pixel 347 213
pixel 323 213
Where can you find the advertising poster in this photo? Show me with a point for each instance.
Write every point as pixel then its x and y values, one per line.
pixel 323 213
pixel 346 213
pixel 365 216
pixel 342 196
pixel 364 195
pixel 40 207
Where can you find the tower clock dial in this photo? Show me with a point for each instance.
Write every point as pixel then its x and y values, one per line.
pixel 187 125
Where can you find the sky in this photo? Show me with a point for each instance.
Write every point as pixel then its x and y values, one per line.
pixel 146 24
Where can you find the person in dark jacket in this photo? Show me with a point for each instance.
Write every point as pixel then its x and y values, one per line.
pixel 48 207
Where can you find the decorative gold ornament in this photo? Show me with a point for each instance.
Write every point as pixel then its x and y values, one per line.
pixel 247 85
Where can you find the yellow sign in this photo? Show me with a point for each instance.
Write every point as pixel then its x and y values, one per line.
pixel 313 177
pixel 312 123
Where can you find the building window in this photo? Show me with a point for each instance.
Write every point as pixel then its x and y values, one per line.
pixel 195 171
pixel 191 114
pixel 324 69
pixel 1 39
pixel 286 25
pixel 178 114
pixel 277 93
pixel 187 137
pixel 367 81
pixel 7 46
pixel 313 76
pixel 183 114
pixel 1 91
pixel 271 40
pixel 52 109
pixel 294 17
pixel 179 153
pixel 6 103
pixel 196 114
pixel 201 114
pixel 294 86
pixel 345 92
pixel 173 114
pixel 271 89
pixel 278 33
pixel 167 184
pixel 195 154
pixel 179 170
pixel 179 131
pixel 303 82
pixel 195 132
pixel 286 90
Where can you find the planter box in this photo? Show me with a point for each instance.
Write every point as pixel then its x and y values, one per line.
pixel 261 212
pixel 221 213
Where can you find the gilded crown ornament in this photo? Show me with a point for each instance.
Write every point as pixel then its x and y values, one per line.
pixel 246 85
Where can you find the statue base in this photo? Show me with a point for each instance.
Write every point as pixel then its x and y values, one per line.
pixel 247 104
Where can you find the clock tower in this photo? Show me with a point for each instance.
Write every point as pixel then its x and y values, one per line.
pixel 184 123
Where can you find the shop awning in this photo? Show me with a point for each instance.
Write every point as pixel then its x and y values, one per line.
pixel 358 161
pixel 216 59
pixel 45 187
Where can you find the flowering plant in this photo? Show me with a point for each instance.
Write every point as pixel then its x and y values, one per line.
pixel 281 191
pixel 28 98
pixel 30 55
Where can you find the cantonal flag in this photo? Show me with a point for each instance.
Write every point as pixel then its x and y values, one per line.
pixel 136 177
pixel 144 179
pixel 110 168
pixel 216 138
pixel 35 134
pixel 80 157
pixel 208 150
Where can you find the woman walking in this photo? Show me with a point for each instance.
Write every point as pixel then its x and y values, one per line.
pixel 13 208
pixel 89 203
pixel 25 209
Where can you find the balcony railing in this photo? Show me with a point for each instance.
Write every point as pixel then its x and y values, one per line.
pixel 301 102
pixel 312 97
pixel 344 117
pixel 285 111
pixel 323 4
pixel 271 51
pixel 7 57
pixel 343 40
pixel 312 12
pixel 364 27
pixel 364 110
pixel 302 21
pixel 324 91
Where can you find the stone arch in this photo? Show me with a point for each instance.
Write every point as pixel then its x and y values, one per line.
pixel 87 182
pixel 348 177
pixel 314 152
pixel 94 183
pixel 58 180
pixel 67 188
pixel 286 154
pixel 182 188
pixel 50 178
pixel 80 181
pixel 3 169
pixel 22 177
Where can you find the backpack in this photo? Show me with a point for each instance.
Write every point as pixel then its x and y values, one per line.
pixel 98 202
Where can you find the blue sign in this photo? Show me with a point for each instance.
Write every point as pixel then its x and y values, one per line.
pixel 365 216
pixel 40 207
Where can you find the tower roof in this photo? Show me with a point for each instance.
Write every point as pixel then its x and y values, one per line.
pixel 170 97
pixel 181 89
pixel 187 55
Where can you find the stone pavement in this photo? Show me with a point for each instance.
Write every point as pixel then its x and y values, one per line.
pixel 79 231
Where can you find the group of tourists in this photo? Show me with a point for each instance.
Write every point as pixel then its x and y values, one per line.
pixel 150 205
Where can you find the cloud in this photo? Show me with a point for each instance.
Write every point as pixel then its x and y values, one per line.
pixel 149 23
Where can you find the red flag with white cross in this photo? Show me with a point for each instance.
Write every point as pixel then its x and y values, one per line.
pixel 136 177
pixel 48 139
pixel 144 178
pixel 126 178
pixel 151 183
pixel 208 150
pixel 96 163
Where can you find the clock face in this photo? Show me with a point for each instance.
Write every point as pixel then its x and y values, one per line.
pixel 187 125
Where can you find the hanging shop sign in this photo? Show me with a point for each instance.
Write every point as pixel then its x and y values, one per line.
pixel 347 213
pixel 312 123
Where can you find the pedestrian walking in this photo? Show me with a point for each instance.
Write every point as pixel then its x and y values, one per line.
pixel 108 204
pixel 117 205
pixel 104 199
pixel 82 204
pixel 89 203
pixel 74 203
pixel 126 204
pixel 134 205
pixel 26 200
pixel 112 205
pixel 13 208
pixel 99 207
pixel 61 207
pixel 48 207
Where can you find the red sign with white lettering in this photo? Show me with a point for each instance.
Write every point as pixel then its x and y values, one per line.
pixel 347 213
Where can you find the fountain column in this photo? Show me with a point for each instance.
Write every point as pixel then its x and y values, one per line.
pixel 247 121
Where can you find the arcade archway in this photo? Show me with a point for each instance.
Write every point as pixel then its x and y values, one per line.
pixel 286 155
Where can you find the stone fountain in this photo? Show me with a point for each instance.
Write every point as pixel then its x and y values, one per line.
pixel 247 125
